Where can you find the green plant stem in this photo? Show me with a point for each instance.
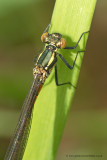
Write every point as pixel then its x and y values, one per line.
pixel 70 18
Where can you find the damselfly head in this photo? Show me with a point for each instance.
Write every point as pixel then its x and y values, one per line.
pixel 54 39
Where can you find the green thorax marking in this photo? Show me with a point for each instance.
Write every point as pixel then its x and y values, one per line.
pixel 45 57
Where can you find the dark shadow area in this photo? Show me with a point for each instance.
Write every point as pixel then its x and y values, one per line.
pixel 62 90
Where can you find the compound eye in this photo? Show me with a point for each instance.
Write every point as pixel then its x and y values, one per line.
pixel 44 37
pixel 62 43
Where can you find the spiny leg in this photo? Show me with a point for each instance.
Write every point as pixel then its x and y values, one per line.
pixel 56 78
pixel 73 47
pixel 70 67
pixel 47 28
pixel 66 63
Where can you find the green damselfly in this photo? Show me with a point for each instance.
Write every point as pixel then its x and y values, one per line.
pixel 45 62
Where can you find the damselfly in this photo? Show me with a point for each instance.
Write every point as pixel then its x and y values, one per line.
pixel 46 60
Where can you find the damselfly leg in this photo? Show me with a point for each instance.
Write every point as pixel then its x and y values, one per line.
pixel 73 47
pixel 47 28
pixel 69 66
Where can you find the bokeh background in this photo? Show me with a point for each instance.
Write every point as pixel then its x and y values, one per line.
pixel 21 25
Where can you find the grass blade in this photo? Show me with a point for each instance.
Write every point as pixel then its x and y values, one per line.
pixel 70 18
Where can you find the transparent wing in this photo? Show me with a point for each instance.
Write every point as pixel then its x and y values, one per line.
pixel 19 140
pixel 37 55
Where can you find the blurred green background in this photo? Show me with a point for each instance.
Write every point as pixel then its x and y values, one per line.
pixel 21 25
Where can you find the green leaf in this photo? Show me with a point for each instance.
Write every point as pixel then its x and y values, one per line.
pixel 70 18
